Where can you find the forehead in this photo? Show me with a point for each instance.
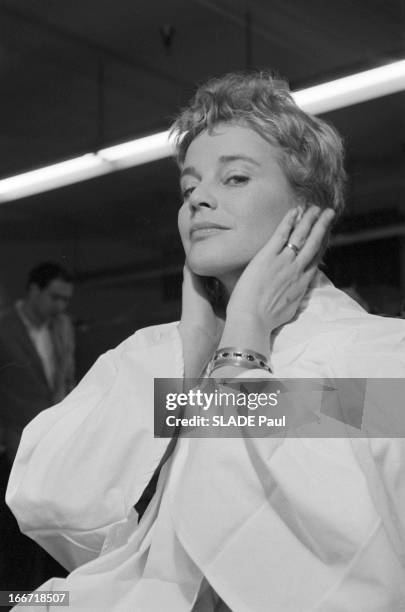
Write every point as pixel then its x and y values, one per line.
pixel 227 140
pixel 60 288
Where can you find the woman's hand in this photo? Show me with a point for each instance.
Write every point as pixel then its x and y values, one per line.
pixel 272 286
pixel 200 328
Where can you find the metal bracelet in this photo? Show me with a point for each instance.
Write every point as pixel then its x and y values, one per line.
pixel 234 356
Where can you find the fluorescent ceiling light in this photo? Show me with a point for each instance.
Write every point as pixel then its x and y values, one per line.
pixel 139 151
pixel 51 177
pixel 322 98
pixel 353 89
pixel 90 165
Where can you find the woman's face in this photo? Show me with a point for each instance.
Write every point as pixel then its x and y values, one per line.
pixel 235 194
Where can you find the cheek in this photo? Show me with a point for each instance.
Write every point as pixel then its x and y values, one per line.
pixel 183 225
pixel 258 228
pixel 264 218
pixel 256 232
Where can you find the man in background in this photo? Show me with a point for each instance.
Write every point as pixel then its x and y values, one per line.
pixel 36 371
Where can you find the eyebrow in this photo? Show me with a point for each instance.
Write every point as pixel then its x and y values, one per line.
pixel 224 159
pixel 190 170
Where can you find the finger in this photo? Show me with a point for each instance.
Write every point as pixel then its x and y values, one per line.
pixel 300 286
pixel 283 231
pixel 315 261
pixel 302 230
pixel 315 239
pixel 308 276
pixel 303 284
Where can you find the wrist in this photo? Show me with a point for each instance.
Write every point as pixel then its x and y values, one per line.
pixel 247 331
pixel 195 332
pixel 227 371
pixel 226 361
pixel 250 319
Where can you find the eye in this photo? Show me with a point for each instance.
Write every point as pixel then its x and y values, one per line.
pixel 186 193
pixel 237 179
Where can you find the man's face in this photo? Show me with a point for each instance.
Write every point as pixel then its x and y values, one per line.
pixel 53 299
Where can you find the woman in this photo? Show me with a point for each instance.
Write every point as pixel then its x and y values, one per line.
pixel 242 524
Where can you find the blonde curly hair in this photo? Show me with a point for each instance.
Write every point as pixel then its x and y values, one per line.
pixel 311 151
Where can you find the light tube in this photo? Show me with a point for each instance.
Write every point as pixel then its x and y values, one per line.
pixel 322 98
pixel 51 177
pixel 138 151
pixel 352 89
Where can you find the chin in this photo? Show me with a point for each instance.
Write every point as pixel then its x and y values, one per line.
pixel 214 267
pixel 204 269
pixel 208 258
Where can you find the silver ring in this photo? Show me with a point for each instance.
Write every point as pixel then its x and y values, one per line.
pixel 293 247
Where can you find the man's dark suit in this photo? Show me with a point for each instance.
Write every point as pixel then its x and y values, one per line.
pixel 24 389
pixel 24 392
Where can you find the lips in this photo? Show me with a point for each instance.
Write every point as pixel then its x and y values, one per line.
pixel 205 228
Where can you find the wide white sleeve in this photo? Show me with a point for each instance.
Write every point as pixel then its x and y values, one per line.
pixel 83 464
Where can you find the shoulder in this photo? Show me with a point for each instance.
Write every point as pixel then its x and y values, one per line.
pixel 373 348
pixel 10 323
pixel 156 350
pixel 8 315
pixel 361 344
pixel 152 352
pixel 337 336
pixel 328 309
pixel 150 336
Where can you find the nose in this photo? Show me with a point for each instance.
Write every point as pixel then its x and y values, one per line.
pixel 202 197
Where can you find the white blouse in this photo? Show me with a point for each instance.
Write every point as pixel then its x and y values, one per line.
pixel 280 524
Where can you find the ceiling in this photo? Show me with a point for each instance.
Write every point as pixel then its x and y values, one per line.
pixel 83 74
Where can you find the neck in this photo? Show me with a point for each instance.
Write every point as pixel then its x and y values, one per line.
pixel 228 282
